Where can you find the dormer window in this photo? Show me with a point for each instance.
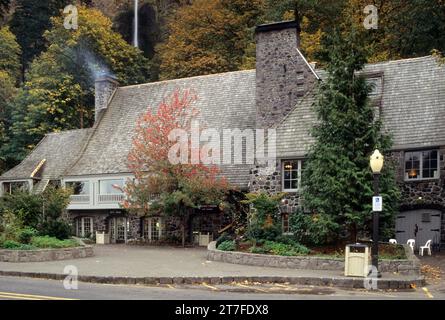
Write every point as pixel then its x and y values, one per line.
pixel 420 165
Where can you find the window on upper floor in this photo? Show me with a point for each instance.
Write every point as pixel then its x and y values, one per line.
pixel 15 186
pixel 111 186
pixel 291 175
pixel 79 187
pixel 421 165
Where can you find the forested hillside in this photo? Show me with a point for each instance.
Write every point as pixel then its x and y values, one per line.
pixel 47 72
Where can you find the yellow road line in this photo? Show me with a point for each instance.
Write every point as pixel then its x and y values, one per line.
pixel 241 285
pixel 34 296
pixel 17 297
pixel 209 286
pixel 428 294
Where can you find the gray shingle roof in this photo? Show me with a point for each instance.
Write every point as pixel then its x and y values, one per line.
pixel 60 150
pixel 224 100
pixel 412 107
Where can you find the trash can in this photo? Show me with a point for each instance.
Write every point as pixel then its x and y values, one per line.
pixel 357 257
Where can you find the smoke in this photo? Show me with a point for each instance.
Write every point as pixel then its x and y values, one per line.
pixel 93 64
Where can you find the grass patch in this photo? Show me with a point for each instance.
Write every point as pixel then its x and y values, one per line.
pixel 52 243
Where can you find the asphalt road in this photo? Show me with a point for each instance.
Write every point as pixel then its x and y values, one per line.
pixel 12 288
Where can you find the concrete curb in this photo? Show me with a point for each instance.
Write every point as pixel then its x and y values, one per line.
pixel 341 282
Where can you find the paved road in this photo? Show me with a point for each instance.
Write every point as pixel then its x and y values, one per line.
pixel 12 288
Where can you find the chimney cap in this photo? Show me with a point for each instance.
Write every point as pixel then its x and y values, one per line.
pixel 278 26
pixel 106 77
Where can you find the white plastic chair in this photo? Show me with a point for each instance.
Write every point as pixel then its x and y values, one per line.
pixel 426 246
pixel 411 243
pixel 393 241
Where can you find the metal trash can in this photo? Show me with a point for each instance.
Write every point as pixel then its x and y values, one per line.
pixel 357 258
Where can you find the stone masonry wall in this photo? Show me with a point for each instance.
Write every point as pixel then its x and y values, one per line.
pixel 282 75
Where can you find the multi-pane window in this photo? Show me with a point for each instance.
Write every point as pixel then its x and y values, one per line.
pixel 111 186
pixel 422 165
pixel 152 229
pixel 291 172
pixel 85 227
pixel 13 187
pixel 79 187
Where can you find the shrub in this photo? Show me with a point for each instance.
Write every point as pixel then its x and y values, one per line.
pixel 14 245
pixel 51 242
pixel 228 245
pixel 316 229
pixel 255 249
pixel 282 249
pixel 25 235
pixel 224 237
pixel 59 229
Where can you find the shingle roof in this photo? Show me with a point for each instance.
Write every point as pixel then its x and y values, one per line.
pixel 412 107
pixel 224 100
pixel 58 149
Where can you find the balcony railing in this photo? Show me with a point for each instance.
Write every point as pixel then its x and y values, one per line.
pixel 80 198
pixel 110 198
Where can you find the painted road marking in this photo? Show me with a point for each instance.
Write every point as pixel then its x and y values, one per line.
pixel 428 294
pixel 16 297
pixel 33 297
pixel 209 286
pixel 241 285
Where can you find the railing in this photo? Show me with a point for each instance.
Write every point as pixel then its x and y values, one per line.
pixel 110 198
pixel 79 198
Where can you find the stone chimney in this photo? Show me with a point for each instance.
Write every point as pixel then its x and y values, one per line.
pixel 283 75
pixel 104 87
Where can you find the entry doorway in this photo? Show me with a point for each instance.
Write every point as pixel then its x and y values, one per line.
pixel 118 227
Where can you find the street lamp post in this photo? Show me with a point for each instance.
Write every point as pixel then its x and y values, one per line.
pixel 376 163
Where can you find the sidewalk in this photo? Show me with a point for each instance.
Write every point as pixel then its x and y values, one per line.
pixel 151 265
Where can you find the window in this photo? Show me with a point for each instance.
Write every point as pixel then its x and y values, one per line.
pixel 422 165
pixel 111 186
pixel 84 227
pixel 79 187
pixel 13 187
pixel 152 229
pixel 291 170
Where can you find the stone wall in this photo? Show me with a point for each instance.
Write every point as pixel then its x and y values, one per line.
pixel 282 75
pixel 46 254
pixel 409 266
pixel 426 194
pixel 271 183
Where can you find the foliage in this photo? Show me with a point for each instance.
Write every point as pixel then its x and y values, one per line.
pixel 161 186
pixel 41 212
pixel 14 245
pixel 9 54
pixel 264 219
pixel 313 229
pixel 209 36
pixel 222 238
pixel 10 226
pixel 337 179
pixel 52 242
pixel 228 245
pixel 58 93
pixel 26 234
pixel 281 249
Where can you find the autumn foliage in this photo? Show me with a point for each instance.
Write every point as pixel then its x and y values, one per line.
pixel 161 187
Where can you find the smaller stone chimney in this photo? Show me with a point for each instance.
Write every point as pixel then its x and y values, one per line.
pixel 104 87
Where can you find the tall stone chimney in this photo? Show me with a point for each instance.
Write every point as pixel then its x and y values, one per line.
pixel 104 87
pixel 283 76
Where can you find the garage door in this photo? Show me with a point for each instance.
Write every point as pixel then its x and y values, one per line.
pixel 420 225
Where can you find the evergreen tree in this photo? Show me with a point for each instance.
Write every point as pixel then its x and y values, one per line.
pixel 337 179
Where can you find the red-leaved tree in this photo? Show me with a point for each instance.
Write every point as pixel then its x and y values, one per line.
pixel 161 186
